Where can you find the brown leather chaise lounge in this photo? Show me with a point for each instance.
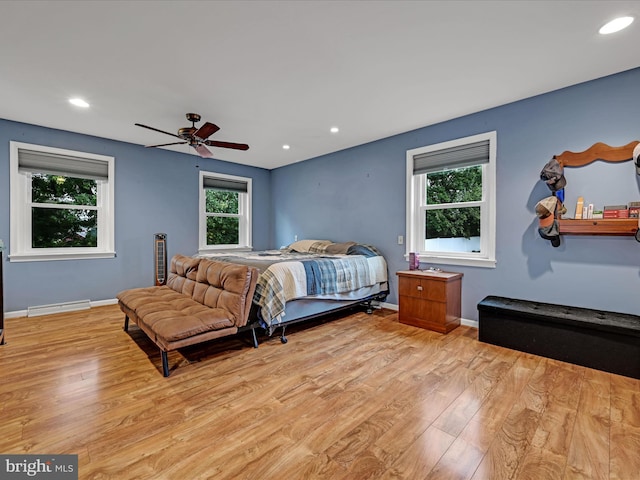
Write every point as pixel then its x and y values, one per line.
pixel 202 300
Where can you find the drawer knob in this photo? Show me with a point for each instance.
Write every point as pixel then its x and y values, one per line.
pixel 419 288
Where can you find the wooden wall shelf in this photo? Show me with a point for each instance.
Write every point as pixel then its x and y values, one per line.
pixel 597 151
pixel 598 226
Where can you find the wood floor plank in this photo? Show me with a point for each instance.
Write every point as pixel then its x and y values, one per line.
pixel 422 455
pixel 352 398
pixel 625 448
pixel 588 456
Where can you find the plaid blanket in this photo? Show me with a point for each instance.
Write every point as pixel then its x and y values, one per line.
pixel 328 276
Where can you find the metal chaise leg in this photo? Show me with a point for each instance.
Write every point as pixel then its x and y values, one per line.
pixel 165 363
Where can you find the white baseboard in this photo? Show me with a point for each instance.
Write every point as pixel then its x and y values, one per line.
pixel 102 303
pixel 469 323
pixel 390 306
pixel 15 314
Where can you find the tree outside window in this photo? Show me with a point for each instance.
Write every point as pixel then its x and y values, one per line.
pixel 454 216
pixel 63 211
pixel 223 223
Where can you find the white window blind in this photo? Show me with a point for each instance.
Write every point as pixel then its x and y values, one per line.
pixel 225 184
pixel 64 165
pixel 453 157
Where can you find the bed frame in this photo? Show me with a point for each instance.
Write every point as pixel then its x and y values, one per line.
pixel 304 309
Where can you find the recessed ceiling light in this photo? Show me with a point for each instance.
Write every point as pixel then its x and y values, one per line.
pixel 616 25
pixel 78 102
pixel 335 129
pixel 286 147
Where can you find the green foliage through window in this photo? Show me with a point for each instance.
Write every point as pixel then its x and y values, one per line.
pixel 221 201
pixel 63 190
pixel 66 226
pixel 224 228
pixel 459 185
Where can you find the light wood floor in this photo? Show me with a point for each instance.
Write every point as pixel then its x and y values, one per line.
pixel 359 397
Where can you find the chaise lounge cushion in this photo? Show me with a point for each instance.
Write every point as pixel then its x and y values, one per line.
pixel 172 316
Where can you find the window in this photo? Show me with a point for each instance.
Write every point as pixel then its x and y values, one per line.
pixel 225 212
pixel 61 204
pixel 451 201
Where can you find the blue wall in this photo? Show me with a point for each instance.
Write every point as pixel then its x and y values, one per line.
pixel 155 191
pixel 359 194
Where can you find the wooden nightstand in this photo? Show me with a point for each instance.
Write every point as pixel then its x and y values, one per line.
pixel 430 299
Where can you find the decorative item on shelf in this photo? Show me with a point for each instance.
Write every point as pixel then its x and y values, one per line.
pixel 579 207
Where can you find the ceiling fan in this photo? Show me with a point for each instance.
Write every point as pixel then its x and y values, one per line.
pixel 197 137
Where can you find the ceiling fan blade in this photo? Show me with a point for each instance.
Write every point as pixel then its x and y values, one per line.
pixel 165 144
pixel 236 146
pixel 206 130
pixel 203 151
pixel 157 130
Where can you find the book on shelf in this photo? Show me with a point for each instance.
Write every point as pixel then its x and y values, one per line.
pixel 615 211
pixel 615 214
pixel 614 207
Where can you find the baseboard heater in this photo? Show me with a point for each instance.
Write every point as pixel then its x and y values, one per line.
pixel 58 308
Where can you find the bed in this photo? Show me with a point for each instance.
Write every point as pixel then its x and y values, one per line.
pixel 310 278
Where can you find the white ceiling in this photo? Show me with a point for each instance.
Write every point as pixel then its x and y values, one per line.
pixel 276 72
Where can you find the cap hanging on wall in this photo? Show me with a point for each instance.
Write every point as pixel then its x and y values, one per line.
pixel 553 175
pixel 548 225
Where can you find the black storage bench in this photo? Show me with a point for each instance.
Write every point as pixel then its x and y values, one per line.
pixel 606 341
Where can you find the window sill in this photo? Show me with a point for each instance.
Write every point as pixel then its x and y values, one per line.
pixel 465 262
pixel 46 257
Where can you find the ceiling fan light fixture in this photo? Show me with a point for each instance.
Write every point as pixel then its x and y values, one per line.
pixel 615 25
pixel 196 137
pixel 78 102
